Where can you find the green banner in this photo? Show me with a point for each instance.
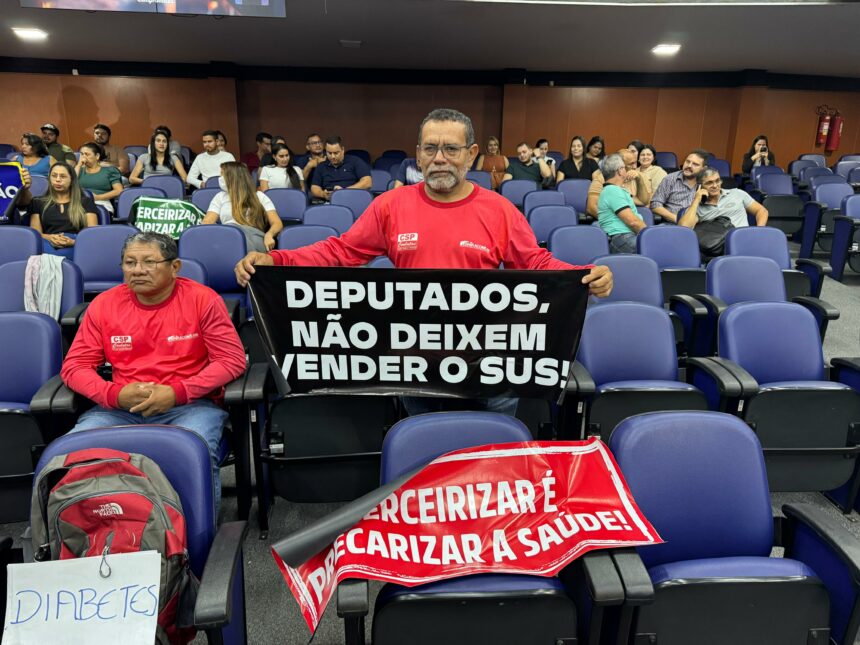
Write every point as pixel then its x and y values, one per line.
pixel 168 216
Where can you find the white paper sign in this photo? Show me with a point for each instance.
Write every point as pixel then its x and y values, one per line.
pixel 69 602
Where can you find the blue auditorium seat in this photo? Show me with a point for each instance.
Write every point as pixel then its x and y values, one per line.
pixel 515 190
pixel 218 249
pixel 355 199
pixel 295 237
pixel 770 371
pixel 339 218
pixel 846 237
pixel 98 254
pixel 202 197
pixel 290 203
pixel 699 477
pixel 578 245
pixel 32 354
pixel 627 364
pixel 575 192
pixel 18 243
pixel 480 177
pixel 819 214
pixel 215 553
pixel 541 198
pixel 127 196
pixel 172 186
pixel 545 219
pixel 379 181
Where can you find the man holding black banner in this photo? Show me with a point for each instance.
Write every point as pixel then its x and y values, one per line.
pixel 444 222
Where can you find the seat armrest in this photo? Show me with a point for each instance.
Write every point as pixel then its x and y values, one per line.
pixel 44 396
pixel 695 306
pixel 257 382
pixel 732 380
pixel 714 305
pixel 818 307
pixel 214 608
pixel 72 318
pixel 638 589
pixel 820 266
pixel 234 391
pixel 580 381
pixel 601 576
pixel 852 221
pixel 352 598
pixel 846 363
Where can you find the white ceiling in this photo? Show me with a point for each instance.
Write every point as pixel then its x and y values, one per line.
pixel 460 34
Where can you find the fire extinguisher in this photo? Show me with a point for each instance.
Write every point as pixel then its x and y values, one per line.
pixel 835 134
pixel 824 119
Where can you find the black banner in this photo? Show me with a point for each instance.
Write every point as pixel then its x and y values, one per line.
pixel 420 332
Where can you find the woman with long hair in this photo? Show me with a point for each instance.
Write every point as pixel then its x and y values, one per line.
pixel 493 162
pixel 759 154
pixel 159 161
pixel 596 148
pixel 34 155
pixel 63 212
pixel 577 165
pixel 104 182
pixel 282 174
pixel 239 204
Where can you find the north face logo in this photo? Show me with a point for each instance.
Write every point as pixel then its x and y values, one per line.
pixel 108 510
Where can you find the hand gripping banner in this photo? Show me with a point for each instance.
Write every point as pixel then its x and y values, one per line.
pixel 420 332
pixel 526 508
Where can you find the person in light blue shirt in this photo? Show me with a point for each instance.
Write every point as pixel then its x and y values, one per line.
pixel 616 212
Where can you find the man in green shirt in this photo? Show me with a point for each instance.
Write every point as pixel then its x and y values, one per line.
pixel 616 212
pixel 526 166
pixel 60 152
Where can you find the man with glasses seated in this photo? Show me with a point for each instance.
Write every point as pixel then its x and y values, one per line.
pixel 171 345
pixel 338 171
pixel 444 222
pixel 712 201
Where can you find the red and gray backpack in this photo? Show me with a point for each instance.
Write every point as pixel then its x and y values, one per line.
pixel 100 501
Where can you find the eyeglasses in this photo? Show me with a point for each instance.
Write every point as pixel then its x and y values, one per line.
pixel 314 143
pixel 712 182
pixel 449 150
pixel 147 265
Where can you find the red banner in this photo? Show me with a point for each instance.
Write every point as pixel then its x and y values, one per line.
pixel 528 508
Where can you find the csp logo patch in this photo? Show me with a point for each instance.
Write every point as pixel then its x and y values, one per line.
pixel 407 242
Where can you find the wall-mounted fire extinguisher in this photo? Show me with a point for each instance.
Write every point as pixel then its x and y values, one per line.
pixel 835 134
pixel 824 119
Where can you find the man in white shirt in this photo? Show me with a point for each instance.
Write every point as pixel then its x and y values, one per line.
pixel 207 164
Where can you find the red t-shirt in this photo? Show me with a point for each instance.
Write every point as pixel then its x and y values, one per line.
pixel 251 160
pixel 187 342
pixel 481 231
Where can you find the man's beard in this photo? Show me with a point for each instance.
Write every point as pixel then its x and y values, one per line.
pixel 443 180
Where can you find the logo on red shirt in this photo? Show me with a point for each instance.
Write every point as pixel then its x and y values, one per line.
pixel 474 245
pixel 407 242
pixel 121 343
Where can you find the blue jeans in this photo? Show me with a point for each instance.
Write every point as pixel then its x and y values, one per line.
pixel 422 405
pixel 202 417
pixel 623 243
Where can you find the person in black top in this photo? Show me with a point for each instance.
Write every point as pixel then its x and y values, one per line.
pixel 577 165
pixel 63 212
pixel 759 154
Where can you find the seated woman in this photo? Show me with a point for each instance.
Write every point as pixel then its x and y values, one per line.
pixel 283 174
pixel 577 165
pixel 238 204
pixel 759 154
pixel 493 162
pixel 104 182
pixel 596 148
pixel 652 173
pixel 158 162
pixel 65 210
pixel 34 155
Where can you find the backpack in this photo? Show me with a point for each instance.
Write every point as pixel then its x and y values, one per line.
pixel 100 501
pixel 712 235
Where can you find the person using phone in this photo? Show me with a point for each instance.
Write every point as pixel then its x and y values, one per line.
pixel 759 154
pixel 712 201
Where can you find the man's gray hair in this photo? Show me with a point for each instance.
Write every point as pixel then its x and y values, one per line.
pixel 706 172
pixel 166 244
pixel 610 165
pixel 446 114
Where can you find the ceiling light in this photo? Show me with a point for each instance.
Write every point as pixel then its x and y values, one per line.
pixel 666 49
pixel 27 33
pixel 350 44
